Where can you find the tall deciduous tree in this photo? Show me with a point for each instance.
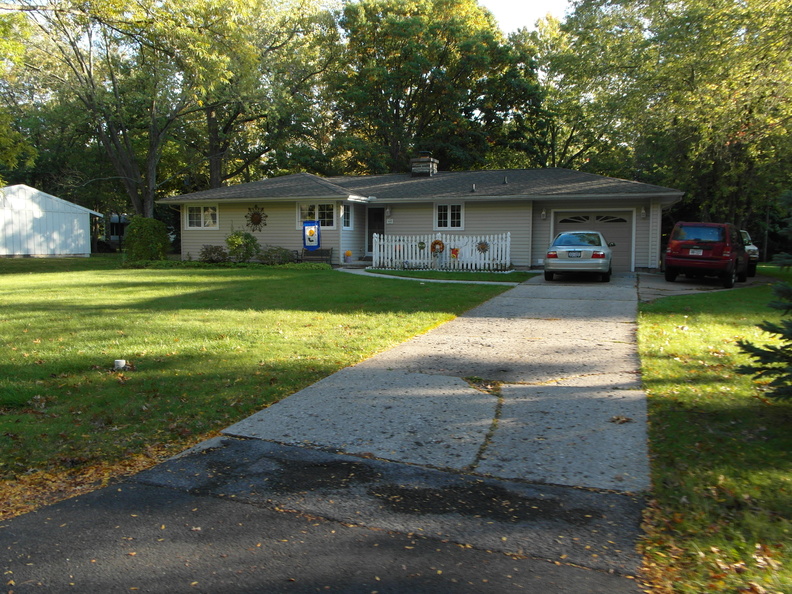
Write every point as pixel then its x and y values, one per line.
pixel 707 90
pixel 269 91
pixel 579 123
pixel 14 148
pixel 142 70
pixel 425 75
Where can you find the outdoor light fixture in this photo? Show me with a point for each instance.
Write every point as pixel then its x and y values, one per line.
pixel 643 212
pixel 387 211
pixel 543 214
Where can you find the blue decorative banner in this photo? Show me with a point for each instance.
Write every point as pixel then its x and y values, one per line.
pixel 311 240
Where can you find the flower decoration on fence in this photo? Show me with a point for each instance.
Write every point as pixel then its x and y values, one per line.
pixel 455 253
pixel 256 218
pixel 437 247
pixel 482 247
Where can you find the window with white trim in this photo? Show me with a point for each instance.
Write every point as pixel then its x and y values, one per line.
pixel 449 216
pixel 348 221
pixel 202 217
pixel 322 212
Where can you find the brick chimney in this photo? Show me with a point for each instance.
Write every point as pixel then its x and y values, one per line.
pixel 423 166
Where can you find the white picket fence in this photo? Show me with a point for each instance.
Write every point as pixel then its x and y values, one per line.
pixel 442 251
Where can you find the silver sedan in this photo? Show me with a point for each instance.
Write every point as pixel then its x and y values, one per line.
pixel 579 251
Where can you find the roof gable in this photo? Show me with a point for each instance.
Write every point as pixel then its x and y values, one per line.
pixel 22 197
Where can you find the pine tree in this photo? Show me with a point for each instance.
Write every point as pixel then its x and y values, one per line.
pixel 774 361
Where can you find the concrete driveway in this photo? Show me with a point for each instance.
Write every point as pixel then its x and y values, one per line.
pixel 564 407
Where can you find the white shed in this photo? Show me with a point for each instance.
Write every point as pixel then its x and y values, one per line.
pixel 34 223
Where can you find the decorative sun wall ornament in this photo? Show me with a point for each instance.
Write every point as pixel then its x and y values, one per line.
pixel 256 218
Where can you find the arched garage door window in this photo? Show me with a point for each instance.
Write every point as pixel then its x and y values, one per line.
pixel 589 219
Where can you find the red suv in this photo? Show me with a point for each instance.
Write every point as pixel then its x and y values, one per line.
pixel 706 249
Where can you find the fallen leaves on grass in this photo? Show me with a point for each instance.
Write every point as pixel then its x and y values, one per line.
pixel 620 420
pixel 35 490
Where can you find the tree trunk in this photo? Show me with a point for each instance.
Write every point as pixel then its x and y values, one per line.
pixel 215 152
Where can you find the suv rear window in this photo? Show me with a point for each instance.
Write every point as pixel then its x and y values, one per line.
pixel 698 233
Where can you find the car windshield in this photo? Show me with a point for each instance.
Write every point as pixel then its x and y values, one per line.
pixel 698 233
pixel 578 239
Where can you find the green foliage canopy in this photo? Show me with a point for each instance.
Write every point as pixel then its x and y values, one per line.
pixel 702 93
pixel 430 75
pixel 145 71
pixel 14 147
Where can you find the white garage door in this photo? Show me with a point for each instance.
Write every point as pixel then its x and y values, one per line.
pixel 615 226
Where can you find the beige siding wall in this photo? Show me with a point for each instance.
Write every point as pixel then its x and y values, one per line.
pixel 282 229
pixel 479 219
pixel 530 234
pixel 354 239
pixel 655 215
pixel 646 236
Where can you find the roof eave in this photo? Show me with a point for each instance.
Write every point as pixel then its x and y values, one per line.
pixel 177 200
pixel 670 197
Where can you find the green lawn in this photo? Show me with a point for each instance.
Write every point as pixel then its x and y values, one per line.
pixel 721 509
pixel 208 347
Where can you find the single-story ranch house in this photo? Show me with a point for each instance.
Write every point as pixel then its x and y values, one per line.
pixel 527 205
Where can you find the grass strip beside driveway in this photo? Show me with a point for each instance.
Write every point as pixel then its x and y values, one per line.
pixel 720 513
pixel 512 276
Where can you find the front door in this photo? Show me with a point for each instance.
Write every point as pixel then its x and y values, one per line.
pixel 375 224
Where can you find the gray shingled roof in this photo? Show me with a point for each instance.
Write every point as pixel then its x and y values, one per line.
pixel 532 184
pixel 287 187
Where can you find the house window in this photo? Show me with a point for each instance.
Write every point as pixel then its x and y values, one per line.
pixel 448 216
pixel 322 212
pixel 202 217
pixel 347 220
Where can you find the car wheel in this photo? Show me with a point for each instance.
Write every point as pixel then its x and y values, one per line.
pixel 729 278
pixel 670 275
pixel 548 276
pixel 605 277
pixel 752 269
pixel 742 276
